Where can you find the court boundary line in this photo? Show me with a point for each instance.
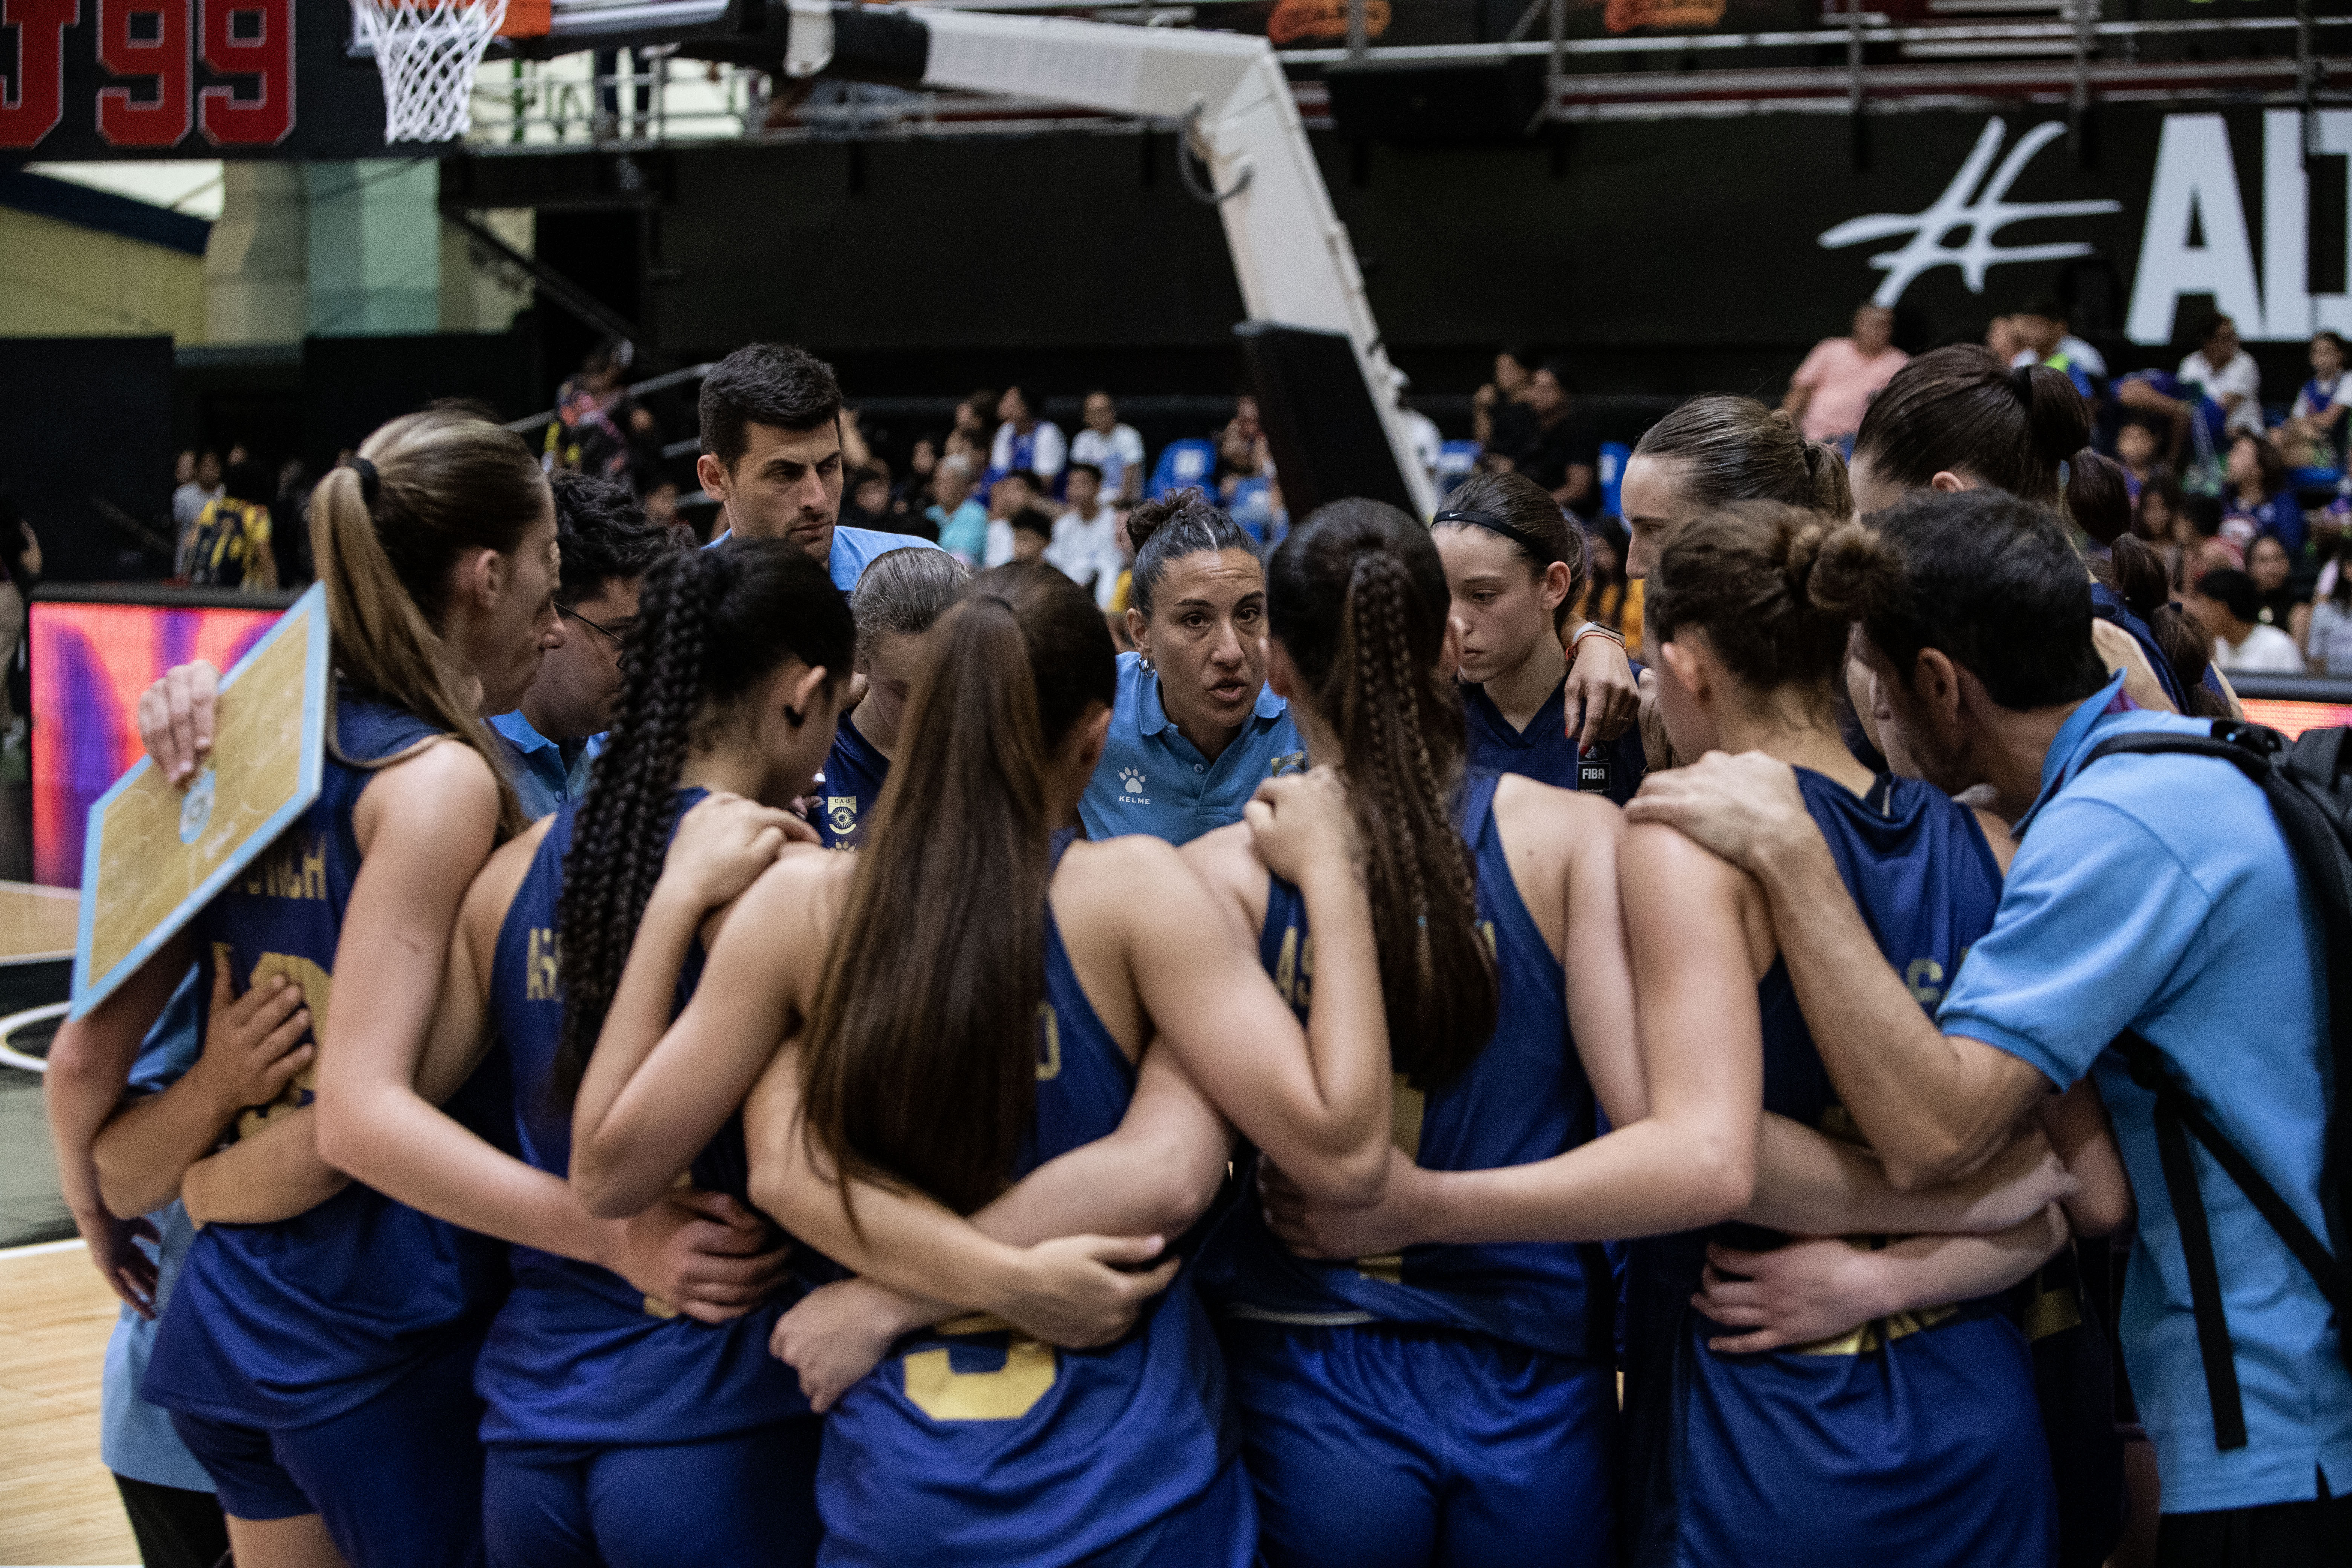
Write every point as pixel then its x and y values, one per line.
pixel 41 1248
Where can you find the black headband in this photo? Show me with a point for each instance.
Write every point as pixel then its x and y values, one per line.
pixel 1494 524
pixel 367 481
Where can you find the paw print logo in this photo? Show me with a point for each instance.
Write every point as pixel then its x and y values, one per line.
pixel 1130 780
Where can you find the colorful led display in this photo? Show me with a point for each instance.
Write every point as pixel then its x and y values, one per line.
pixel 89 663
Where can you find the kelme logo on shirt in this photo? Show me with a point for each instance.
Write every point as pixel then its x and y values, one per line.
pixel 1130 787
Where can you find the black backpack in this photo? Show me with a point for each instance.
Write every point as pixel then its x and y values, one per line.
pixel 2310 794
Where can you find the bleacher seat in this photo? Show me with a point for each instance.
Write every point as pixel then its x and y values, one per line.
pixel 1182 464
pixel 1614 455
pixel 1456 461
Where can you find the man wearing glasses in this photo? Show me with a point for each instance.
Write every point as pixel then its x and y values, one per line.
pixel 608 544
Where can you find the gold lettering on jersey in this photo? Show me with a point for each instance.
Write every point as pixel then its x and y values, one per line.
pixel 1925 976
pixel 841 815
pixel 293 867
pixel 542 977
pixel 1005 1394
pixel 316 985
pixel 1294 968
pixel 1049 1043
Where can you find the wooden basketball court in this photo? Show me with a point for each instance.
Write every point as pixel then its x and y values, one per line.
pixel 57 1504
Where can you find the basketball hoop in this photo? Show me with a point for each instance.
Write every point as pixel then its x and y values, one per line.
pixel 427 51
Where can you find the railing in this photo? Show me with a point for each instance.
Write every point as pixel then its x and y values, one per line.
pixel 2075 55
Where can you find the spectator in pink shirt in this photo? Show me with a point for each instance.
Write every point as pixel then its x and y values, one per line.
pixel 1830 390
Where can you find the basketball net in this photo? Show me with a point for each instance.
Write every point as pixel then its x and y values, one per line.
pixel 427 51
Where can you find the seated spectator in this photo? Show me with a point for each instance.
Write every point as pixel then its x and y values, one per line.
pixel 1114 450
pixel 2314 434
pixel 2327 643
pixel 2003 339
pixel 1500 420
pixel 1611 598
pixel 2226 606
pixel 1010 495
pixel 1560 452
pixel 1086 537
pixel 1032 532
pixel 960 523
pixel 2136 446
pixel 2157 511
pixel 1025 441
pixel 2258 499
pixel 598 430
pixel 1242 450
pixel 2043 339
pixel 229 546
pixel 976 415
pixel 971 447
pixel 199 477
pixel 661 505
pixel 2226 372
pixel 1835 383
pixel 289 524
pixel 866 498
pixel 2272 571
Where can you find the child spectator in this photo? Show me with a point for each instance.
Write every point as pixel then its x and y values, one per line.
pixel 2314 434
pixel 1086 537
pixel 1114 450
pixel 1032 531
pixel 2135 450
pixel 2256 498
pixel 2226 606
pixel 2328 642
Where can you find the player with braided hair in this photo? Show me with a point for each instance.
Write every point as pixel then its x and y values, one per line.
pixel 633 1417
pixel 961 1007
pixel 1456 1403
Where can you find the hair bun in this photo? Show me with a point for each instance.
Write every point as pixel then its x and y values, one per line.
pixel 1840 568
pixel 1147 518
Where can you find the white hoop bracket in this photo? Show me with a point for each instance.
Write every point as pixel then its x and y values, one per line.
pixel 808 48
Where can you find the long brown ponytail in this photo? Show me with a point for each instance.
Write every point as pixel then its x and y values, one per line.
pixel 1356 596
pixel 920 1065
pixel 444 482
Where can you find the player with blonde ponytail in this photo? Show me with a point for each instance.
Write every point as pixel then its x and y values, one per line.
pixel 321 1365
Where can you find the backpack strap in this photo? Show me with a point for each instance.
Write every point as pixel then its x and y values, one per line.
pixel 2254 751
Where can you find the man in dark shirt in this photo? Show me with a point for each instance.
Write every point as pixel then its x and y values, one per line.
pixel 1558 450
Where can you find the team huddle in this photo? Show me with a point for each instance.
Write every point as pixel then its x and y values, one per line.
pixel 1018 1189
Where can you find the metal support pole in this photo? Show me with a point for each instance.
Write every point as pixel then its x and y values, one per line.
pixel 1358 39
pixel 2078 100
pixel 1856 95
pixel 1555 64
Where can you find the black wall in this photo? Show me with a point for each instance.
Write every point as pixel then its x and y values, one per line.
pixel 89 424
pixel 1663 257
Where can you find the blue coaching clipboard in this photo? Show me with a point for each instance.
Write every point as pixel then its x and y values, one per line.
pixel 155 856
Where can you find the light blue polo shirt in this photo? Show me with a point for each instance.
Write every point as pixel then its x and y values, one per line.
pixel 2156 893
pixel 852 550
pixel 543 776
pixel 136 1438
pixel 1152 780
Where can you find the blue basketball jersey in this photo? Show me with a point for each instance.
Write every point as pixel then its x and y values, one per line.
pixel 1524 1098
pixel 578 1354
pixel 984 1446
pixel 1544 751
pixel 297 1321
pixel 1916 1439
pixel 854 773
